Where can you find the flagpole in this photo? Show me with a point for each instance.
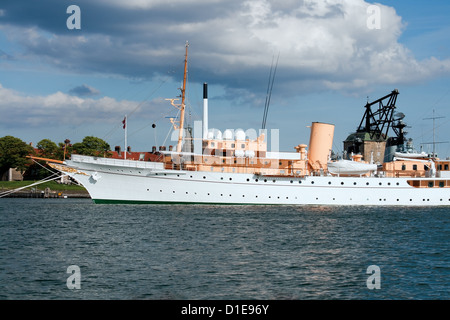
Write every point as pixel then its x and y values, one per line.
pixel 125 127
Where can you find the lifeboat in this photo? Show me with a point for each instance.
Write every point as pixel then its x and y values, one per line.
pixel 349 167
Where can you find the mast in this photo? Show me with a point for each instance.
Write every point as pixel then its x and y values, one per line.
pixel 183 96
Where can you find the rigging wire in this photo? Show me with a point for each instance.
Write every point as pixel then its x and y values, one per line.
pixel 6 193
pixel 269 91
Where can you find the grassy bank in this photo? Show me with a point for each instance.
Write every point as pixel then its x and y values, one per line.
pixel 65 188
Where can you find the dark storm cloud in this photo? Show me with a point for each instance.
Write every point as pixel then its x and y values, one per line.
pixel 322 44
pixel 84 91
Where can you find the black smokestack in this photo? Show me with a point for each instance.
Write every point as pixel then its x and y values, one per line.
pixel 205 91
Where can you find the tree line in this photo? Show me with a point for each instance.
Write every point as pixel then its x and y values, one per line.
pixel 14 153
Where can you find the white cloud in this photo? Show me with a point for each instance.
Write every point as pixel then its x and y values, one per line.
pixel 18 109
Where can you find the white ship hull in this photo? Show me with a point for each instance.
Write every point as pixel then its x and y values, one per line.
pixel 123 181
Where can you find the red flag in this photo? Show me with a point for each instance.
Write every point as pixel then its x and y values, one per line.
pixel 124 122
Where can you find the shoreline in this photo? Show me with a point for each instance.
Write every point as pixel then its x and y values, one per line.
pixel 52 195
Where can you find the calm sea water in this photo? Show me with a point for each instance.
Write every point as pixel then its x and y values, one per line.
pixel 221 252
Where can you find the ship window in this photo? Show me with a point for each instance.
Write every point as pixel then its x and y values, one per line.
pixel 233 145
pixel 430 184
pixel 446 167
pixel 243 146
pixel 414 166
pixel 312 182
pixel 204 177
pixel 248 179
pixel 441 184
pixel 342 183
pixel 367 183
pixel 354 183
pixel 440 167
pixel 265 180
pixel 212 144
pixel 425 167
pixel 231 179
pixel 404 167
pixel 256 180
pixel 274 181
pixel 329 182
pixel 292 181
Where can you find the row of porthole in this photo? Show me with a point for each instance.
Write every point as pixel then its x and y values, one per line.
pixel 312 182
pixel 291 181
pixel 287 198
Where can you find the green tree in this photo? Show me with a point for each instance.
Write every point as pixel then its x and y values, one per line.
pixel 13 154
pixel 92 146
pixel 47 149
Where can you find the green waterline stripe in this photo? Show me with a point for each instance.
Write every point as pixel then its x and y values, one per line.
pixel 107 201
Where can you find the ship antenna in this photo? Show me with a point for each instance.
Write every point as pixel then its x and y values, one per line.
pixel 183 95
pixel 269 92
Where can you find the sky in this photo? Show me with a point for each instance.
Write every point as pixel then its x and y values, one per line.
pixel 65 75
